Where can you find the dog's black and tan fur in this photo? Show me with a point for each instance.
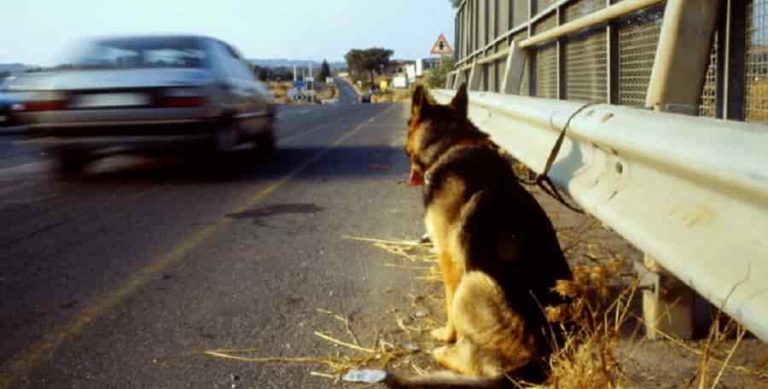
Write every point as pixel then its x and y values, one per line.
pixel 498 252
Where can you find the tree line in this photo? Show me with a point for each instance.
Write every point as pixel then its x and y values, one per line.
pixel 368 62
pixel 285 73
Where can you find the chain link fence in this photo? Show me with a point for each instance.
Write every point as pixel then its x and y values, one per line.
pixel 611 62
pixel 756 63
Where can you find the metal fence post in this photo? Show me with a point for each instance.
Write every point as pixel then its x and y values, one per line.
pixel 734 79
pixel 514 69
pixel 682 56
pixel 458 80
pixel 449 80
pixel 612 60
pixel 532 51
pixel 474 76
pixel 561 57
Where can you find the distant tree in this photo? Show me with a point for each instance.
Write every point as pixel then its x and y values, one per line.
pixel 370 61
pixel 265 73
pixel 281 73
pixel 437 77
pixel 325 71
pixel 456 3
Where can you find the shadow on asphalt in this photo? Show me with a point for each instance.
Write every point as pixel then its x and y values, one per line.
pixel 256 215
pixel 337 163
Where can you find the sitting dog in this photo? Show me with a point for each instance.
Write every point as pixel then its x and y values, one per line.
pixel 498 252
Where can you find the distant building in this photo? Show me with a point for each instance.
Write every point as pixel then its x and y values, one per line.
pixel 406 72
pixel 399 66
pixel 425 65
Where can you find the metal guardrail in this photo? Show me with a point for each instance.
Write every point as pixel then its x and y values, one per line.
pixel 692 192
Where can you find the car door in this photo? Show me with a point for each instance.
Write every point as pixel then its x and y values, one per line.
pixel 252 112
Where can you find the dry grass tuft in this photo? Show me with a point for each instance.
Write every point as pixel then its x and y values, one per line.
pixel 592 321
pixel 717 335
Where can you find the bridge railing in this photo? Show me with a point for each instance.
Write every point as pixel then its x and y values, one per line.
pixel 691 192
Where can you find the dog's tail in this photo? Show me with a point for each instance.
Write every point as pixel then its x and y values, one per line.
pixel 447 380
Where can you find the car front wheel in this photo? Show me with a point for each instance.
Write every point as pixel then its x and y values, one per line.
pixel 226 137
pixel 266 142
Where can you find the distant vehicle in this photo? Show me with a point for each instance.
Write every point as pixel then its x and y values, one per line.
pixel 366 97
pixel 146 94
pixel 7 100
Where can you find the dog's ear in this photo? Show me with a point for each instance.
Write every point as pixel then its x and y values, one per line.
pixel 461 100
pixel 420 102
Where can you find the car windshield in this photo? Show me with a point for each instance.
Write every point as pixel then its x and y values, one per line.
pixel 136 53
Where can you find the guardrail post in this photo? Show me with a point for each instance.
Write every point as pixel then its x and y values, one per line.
pixel 515 67
pixel 677 78
pixel 668 304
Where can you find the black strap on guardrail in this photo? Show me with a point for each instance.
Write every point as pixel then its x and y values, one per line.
pixel 542 180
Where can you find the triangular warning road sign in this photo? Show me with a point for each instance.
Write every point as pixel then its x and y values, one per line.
pixel 442 47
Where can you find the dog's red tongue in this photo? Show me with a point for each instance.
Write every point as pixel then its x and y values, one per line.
pixel 416 178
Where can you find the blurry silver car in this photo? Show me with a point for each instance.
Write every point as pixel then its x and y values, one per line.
pixel 146 94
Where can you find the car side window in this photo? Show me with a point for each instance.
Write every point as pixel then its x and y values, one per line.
pixel 237 68
pixel 220 60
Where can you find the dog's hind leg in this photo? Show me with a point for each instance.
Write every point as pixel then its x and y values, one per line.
pixel 483 316
pixel 471 355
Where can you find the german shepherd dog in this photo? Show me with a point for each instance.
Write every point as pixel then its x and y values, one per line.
pixel 498 252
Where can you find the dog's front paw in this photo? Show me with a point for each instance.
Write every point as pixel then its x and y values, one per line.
pixel 445 334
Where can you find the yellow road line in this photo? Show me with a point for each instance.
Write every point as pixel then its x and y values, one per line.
pixel 291 138
pixel 24 362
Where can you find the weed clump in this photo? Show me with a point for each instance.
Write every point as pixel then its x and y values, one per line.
pixel 592 320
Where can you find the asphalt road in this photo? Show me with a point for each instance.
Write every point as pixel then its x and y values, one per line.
pixel 126 276
pixel 347 93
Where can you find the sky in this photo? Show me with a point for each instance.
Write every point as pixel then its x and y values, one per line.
pixel 38 32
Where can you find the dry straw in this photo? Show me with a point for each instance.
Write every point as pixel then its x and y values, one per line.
pixel 378 355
